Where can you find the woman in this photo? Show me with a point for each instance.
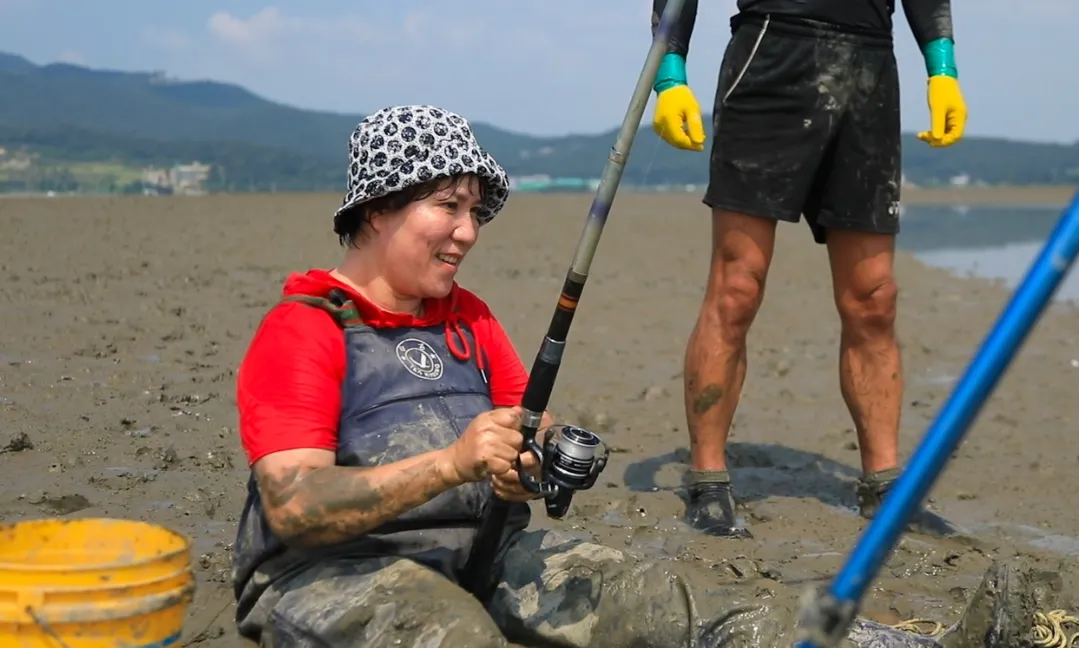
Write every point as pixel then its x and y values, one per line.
pixel 378 407
pixel 356 437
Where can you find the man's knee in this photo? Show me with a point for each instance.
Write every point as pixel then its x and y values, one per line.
pixel 742 254
pixel 866 293
pixel 738 298
pixel 868 308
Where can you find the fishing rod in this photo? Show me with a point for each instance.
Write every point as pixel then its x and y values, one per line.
pixel 571 458
pixel 826 616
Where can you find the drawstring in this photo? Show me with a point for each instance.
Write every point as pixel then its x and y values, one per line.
pixel 462 351
pixel 454 332
pixel 345 312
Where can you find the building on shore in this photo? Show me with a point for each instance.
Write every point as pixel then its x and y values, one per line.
pixel 183 179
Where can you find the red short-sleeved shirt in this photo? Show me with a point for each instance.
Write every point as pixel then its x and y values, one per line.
pixel 289 384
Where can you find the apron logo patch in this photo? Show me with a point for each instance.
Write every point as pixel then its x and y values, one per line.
pixel 420 359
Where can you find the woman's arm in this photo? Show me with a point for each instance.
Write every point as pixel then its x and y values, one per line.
pixel 309 501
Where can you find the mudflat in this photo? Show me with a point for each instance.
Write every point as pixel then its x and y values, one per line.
pixel 122 321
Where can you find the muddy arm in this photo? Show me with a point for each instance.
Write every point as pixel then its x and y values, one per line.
pixel 309 501
pixel 678 43
pixel 930 20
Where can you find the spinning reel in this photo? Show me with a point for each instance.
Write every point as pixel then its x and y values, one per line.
pixel 570 460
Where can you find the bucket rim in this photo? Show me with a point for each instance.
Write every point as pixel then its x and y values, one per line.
pixel 183 550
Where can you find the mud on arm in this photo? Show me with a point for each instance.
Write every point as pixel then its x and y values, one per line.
pixel 310 501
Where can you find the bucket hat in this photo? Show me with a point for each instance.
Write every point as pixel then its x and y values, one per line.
pixel 402 146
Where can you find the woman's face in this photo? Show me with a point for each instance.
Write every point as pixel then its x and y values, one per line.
pixel 424 243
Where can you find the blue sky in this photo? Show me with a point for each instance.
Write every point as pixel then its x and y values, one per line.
pixel 535 66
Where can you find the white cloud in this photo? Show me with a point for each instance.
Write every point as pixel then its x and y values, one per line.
pixel 254 36
pixel 415 54
pixel 266 24
pixel 270 35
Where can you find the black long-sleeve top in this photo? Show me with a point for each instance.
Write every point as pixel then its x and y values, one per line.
pixel 929 19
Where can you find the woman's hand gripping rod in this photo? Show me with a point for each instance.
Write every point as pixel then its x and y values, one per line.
pixel 570 456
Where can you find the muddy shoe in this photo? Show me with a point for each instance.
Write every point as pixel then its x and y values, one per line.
pixel 711 507
pixel 871 490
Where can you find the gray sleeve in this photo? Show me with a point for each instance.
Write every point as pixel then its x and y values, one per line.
pixel 929 19
pixel 678 42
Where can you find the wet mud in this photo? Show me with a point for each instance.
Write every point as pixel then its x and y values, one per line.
pixel 122 322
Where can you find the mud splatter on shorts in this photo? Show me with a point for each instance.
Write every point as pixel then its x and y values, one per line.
pixel 806 122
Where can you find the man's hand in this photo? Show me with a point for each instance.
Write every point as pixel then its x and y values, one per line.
pixel 677 119
pixel 947 110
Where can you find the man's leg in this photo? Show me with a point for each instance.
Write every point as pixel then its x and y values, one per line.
pixel 376 603
pixel 767 148
pixel 870 372
pixel 715 361
pixel 860 213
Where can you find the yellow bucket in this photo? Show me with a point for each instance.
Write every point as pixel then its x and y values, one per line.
pixel 92 583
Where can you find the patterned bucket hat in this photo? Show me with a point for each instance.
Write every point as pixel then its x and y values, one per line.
pixel 401 146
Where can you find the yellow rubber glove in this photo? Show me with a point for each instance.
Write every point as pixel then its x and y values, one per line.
pixel 947 112
pixel 677 119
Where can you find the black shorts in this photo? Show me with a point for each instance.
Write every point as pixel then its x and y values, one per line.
pixel 806 121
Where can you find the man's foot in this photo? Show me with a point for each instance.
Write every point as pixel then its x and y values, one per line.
pixel 871 490
pixel 711 507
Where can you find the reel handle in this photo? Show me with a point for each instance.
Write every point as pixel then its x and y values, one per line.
pixel 531 484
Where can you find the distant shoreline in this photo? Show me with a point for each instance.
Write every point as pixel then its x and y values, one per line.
pixel 1046 195
pixel 1033 195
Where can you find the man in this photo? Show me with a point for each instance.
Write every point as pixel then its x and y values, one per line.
pixel 806 121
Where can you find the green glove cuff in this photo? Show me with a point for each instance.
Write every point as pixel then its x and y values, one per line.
pixel 672 72
pixel 940 58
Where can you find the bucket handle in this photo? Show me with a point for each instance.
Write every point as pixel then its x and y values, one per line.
pixel 30 600
pixel 44 625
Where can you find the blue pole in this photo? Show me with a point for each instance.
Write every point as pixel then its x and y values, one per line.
pixel 835 611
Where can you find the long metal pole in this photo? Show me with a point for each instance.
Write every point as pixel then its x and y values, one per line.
pixel 477 572
pixel 827 618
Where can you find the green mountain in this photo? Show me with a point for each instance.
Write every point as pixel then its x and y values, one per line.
pixel 67 113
